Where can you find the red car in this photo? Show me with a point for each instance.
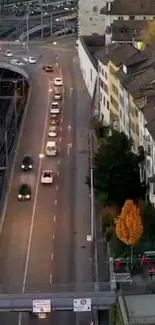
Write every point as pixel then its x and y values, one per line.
pixel 53 120
pixel 48 68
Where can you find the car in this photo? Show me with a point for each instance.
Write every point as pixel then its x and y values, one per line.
pixel 54 108
pixel 52 132
pixel 57 95
pixel 58 82
pixel 53 120
pixel 47 177
pixel 8 53
pixel 30 59
pixel 27 163
pixel 48 68
pixel 24 192
pixel 16 62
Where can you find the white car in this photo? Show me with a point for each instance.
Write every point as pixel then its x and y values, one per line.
pixel 8 53
pixel 47 177
pixel 57 95
pixel 54 108
pixel 16 62
pixel 52 132
pixel 58 82
pixel 30 59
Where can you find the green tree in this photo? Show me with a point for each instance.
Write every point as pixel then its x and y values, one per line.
pixel 116 170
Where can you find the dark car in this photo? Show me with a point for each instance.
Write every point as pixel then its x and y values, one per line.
pixel 24 192
pixel 53 120
pixel 48 68
pixel 27 163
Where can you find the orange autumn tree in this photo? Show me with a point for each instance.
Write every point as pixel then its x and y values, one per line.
pixel 129 227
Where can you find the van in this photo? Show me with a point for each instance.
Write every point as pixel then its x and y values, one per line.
pixel 51 148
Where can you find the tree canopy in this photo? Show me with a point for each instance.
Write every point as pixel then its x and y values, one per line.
pixel 116 170
pixel 148 33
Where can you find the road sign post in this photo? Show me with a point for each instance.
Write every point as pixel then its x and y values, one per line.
pixel 83 304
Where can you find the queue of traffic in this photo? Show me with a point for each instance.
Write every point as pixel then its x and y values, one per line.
pixel 27 164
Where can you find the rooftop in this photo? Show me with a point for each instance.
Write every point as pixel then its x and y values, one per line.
pixel 92 44
pixel 115 52
pixel 138 309
pixel 132 7
pixel 127 30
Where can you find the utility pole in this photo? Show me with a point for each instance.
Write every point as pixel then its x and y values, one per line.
pixel 51 24
pixel 91 189
pixel 42 28
pixel 15 105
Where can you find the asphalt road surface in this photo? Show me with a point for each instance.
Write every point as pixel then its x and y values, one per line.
pixel 43 245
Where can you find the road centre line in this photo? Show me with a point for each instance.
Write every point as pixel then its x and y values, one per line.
pixel 53 237
pixel 60 129
pixel 61 120
pixel 54 218
pixel 56 202
pixel 51 278
pixel 35 198
pixel 60 139
pixel 57 173
pixel 58 161
pixel 57 187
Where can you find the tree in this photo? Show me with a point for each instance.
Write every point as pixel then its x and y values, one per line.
pixel 129 228
pixel 148 217
pixel 148 33
pixel 116 170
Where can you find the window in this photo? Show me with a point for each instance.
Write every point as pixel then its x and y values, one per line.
pixel 114 102
pixel 106 77
pixel 100 97
pixel 136 112
pixel 144 18
pixel 104 101
pixel 120 18
pixel 91 74
pixel 108 105
pixel 121 99
pixel 112 71
pixel 132 17
pixel 137 129
pixel 115 89
pixel 101 83
pixel 102 72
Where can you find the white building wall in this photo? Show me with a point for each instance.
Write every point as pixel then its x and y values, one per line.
pixel 103 94
pixel 89 73
pixel 90 21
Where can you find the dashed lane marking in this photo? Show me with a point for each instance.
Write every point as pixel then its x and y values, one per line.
pixel 60 139
pixel 51 278
pixel 52 256
pixel 57 187
pixel 53 237
pixel 54 218
pixel 58 162
pixel 55 202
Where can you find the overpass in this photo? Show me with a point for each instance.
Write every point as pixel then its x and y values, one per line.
pixel 59 301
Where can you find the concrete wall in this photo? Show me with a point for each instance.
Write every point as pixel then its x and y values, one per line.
pixel 89 72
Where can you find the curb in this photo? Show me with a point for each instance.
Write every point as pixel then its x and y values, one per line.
pixel 13 164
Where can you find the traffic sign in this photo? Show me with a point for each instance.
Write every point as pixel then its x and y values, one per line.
pixel 41 306
pixel 83 304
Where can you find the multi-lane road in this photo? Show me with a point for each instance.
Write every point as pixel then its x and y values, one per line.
pixel 43 244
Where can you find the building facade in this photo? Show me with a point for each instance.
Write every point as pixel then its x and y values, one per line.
pixel 90 20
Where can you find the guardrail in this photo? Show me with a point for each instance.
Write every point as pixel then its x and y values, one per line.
pixel 59 301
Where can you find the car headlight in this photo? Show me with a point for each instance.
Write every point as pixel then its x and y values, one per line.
pixel 27 196
pixel 23 166
pixel 19 196
pixel 30 166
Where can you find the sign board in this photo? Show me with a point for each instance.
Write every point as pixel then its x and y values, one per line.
pixel 83 304
pixel 41 306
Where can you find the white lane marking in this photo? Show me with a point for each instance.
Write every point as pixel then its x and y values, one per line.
pixel 61 120
pixel 57 173
pixel 53 236
pixel 60 139
pixel 14 162
pixel 57 187
pixel 56 202
pixel 59 150
pixel 54 218
pixel 58 162
pixel 35 199
pixel 69 146
pixel 51 278
pixel 52 256
pixel 60 129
